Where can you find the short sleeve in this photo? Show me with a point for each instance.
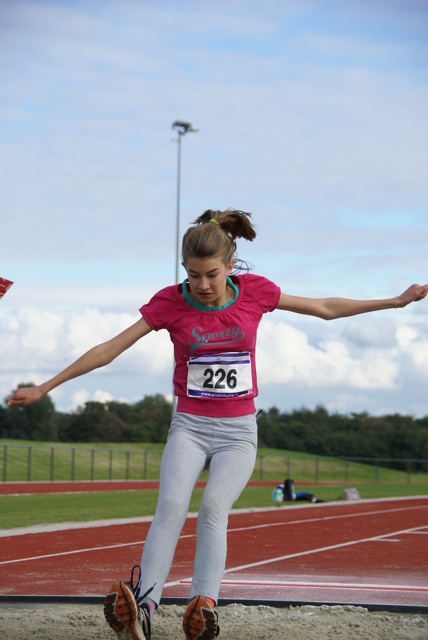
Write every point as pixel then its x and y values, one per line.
pixel 157 312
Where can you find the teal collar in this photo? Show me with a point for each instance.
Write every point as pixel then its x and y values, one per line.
pixel 203 307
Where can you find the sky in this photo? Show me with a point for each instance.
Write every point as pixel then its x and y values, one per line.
pixel 312 115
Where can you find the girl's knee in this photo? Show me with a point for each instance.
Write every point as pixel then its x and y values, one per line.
pixel 171 510
pixel 214 508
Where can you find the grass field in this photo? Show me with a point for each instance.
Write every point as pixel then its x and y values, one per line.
pixel 26 510
pixel 372 481
pixel 22 461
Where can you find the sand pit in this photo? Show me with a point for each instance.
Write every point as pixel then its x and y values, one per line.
pixel 237 622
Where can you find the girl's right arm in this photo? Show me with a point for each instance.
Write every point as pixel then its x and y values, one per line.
pixel 96 357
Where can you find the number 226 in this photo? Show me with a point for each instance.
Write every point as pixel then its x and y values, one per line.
pixel 218 379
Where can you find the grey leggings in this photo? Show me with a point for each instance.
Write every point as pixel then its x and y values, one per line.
pixel 229 446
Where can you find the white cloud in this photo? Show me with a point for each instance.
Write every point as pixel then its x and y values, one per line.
pixel 406 335
pixel 311 356
pixel 91 327
pixel 79 398
pixel 41 344
pixel 285 356
pixel 414 343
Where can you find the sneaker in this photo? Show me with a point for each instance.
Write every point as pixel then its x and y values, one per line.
pixel 200 620
pixel 125 612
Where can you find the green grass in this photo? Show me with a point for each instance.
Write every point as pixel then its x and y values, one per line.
pixel 261 496
pixel 26 510
pixel 43 461
pixel 18 511
pixel 21 461
pixel 311 468
pixel 99 461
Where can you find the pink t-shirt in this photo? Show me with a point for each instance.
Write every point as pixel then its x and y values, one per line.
pixel 214 350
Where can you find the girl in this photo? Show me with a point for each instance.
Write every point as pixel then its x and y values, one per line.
pixel 212 319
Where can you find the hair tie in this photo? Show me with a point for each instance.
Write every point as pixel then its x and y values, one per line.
pixel 215 221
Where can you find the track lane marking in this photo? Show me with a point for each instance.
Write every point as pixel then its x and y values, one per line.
pixel 95 524
pixel 325 518
pixel 240 529
pixel 85 550
pixel 332 547
pixel 309 552
pixel 320 585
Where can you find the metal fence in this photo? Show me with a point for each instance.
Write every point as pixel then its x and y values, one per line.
pixel 41 463
pixel 38 463
pixel 343 469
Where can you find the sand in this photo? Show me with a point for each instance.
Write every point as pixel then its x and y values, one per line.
pixel 237 622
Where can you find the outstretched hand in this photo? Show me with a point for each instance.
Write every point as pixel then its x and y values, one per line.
pixel 24 396
pixel 413 294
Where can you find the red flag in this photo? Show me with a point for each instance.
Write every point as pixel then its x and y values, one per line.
pixel 4 286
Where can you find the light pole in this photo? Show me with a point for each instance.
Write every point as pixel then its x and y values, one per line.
pixel 182 128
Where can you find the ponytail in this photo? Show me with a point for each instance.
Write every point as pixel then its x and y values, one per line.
pixel 215 233
pixel 236 223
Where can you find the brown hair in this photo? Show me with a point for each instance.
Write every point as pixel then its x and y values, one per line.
pixel 217 239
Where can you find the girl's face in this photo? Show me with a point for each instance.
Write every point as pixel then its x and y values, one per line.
pixel 207 280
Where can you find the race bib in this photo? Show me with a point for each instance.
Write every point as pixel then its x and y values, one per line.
pixel 222 375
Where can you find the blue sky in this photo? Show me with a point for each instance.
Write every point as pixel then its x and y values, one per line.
pixel 312 116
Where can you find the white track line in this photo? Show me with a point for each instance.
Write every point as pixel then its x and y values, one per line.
pixel 232 530
pixel 300 554
pixel 325 518
pixel 86 550
pixel 70 553
pixel 93 524
pixel 332 547
pixel 319 585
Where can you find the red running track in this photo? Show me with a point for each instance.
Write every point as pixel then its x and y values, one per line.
pixel 365 552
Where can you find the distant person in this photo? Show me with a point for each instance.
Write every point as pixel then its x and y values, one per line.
pixel 285 492
pixel 212 319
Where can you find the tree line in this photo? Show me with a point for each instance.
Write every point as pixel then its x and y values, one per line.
pixel 147 420
pixel 315 431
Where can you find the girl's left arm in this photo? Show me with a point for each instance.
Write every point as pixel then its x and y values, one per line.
pixel 332 308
